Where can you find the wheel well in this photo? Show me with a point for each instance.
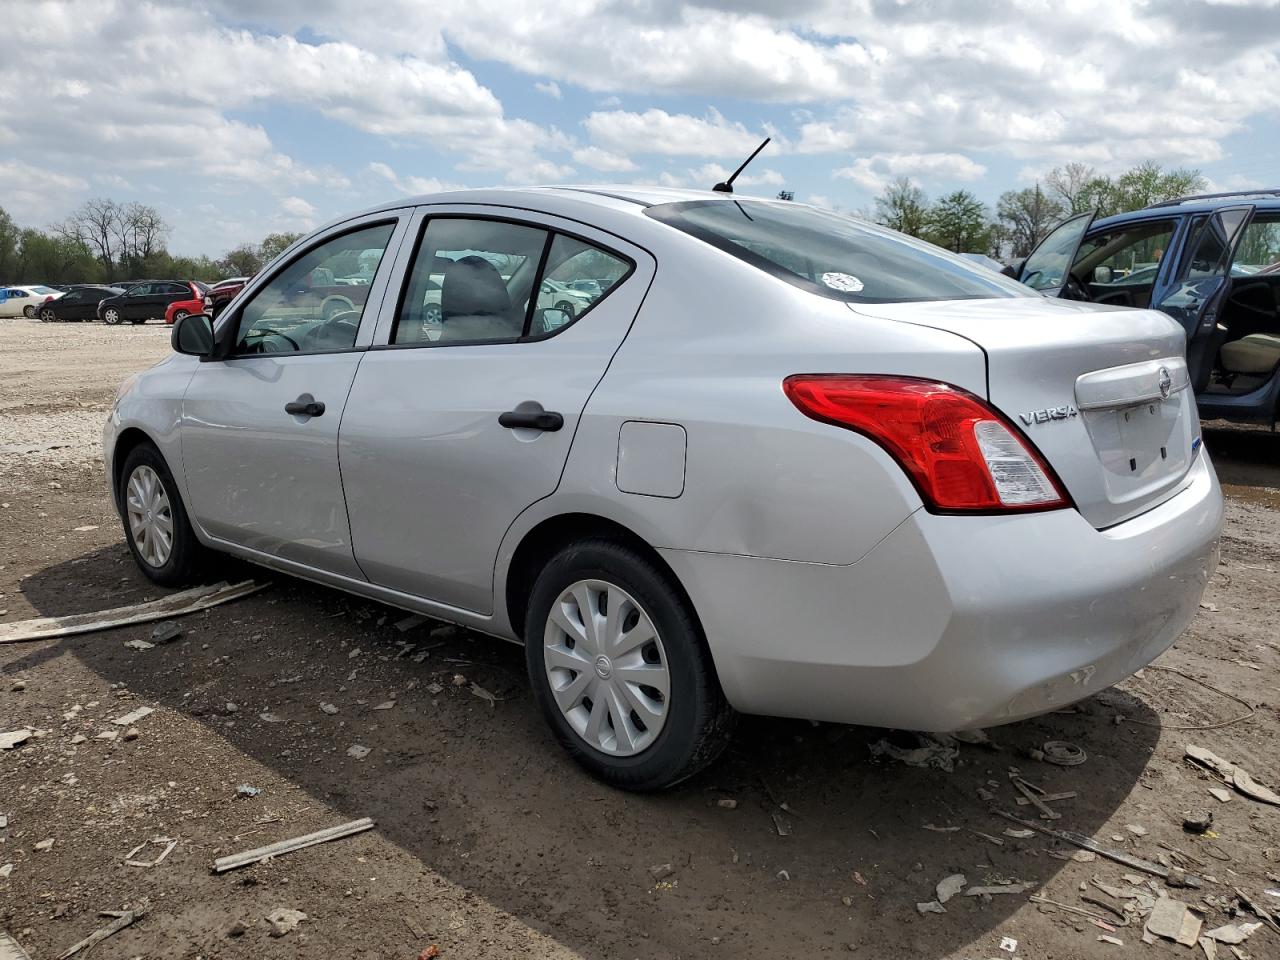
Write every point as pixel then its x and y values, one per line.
pixel 554 534
pixel 125 444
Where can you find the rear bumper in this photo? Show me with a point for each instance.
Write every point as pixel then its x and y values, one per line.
pixel 950 622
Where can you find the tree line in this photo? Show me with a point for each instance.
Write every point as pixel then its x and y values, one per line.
pixel 105 241
pixel 962 223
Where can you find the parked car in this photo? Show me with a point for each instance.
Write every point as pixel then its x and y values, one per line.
pixel 229 282
pixel 1203 260
pixel 25 300
pixel 591 288
pixel 80 303
pixel 556 295
pixel 194 304
pixel 148 300
pixel 222 294
pixel 790 463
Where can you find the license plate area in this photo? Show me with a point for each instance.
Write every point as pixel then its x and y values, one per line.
pixel 1143 446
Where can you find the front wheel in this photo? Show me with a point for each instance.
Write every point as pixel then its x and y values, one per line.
pixel 620 668
pixel 156 527
pixel 47 315
pixel 111 315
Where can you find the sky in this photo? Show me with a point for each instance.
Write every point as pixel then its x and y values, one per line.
pixel 237 118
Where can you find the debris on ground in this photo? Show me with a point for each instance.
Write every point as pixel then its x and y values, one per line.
pixel 948 887
pixel 409 622
pixel 358 750
pixel 1061 753
pixel 661 871
pixel 223 864
pixel 247 790
pixel 44 846
pixel 14 738
pixel 484 694
pixel 727 803
pixel 1174 920
pixel 284 920
pixel 133 716
pixel 129 860
pixel 123 918
pixel 1221 794
pixel 328 708
pixel 1039 797
pixel 166 632
pixel 385 705
pixel 930 753
pixel 1198 822
pixel 999 889
pixel 933 906
pixel 1232 933
pixel 1106 938
pixel 1233 775
pixel 10 949
pixel 429 953
pixel 1008 945
pixel 174 605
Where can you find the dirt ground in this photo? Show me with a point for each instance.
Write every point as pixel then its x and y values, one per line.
pixel 489 842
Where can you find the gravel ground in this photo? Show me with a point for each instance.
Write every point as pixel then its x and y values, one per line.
pixel 489 843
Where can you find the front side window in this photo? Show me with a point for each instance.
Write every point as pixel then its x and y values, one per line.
pixel 305 308
pixel 1124 261
pixel 492 281
pixel 832 255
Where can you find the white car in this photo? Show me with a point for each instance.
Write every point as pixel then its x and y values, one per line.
pixel 789 463
pixel 25 301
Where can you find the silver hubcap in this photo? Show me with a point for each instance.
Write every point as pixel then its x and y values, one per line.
pixel 150 517
pixel 112 316
pixel 606 667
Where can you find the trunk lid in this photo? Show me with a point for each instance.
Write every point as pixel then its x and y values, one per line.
pixel 1102 392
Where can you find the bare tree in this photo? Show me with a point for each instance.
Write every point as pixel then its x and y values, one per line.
pixel 95 224
pixel 1028 216
pixel 1071 184
pixel 903 207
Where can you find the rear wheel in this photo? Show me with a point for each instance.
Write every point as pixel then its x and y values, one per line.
pixel 156 527
pixel 568 309
pixel 620 669
pixel 29 311
pixel 180 315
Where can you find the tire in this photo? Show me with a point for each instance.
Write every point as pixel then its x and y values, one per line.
pixel 431 314
pixel 111 315
pixel 180 315
pixel 568 309
pixel 696 721
pixel 179 565
pixel 47 315
pixel 29 311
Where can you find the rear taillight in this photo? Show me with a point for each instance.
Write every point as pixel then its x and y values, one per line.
pixel 961 455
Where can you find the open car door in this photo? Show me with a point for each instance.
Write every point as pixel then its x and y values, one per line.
pixel 1048 269
pixel 1196 291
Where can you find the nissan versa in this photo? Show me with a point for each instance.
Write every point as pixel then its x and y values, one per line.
pixel 785 463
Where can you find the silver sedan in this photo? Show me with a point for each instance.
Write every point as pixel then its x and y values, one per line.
pixel 786 463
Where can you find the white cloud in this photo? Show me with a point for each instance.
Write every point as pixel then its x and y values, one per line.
pixel 671 134
pixel 875 172
pixel 550 88
pixel 598 159
pixel 37 194
pixel 411 185
pixel 297 207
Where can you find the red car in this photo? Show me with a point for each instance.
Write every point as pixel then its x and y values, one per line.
pixel 181 308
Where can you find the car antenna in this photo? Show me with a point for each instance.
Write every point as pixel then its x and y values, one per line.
pixel 727 185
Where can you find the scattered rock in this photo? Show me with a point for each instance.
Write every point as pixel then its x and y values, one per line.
pixel 132 733
pixel 139 645
pixel 933 906
pixel 385 705
pixel 284 921
pixel 948 887
pixel 14 738
pixel 166 632
pixel 1198 822
pixel 434 689
pixel 247 790
pixel 133 716
pixel 661 871
pixel 270 718
pixel 727 803
pixel 328 708
pixel 459 680
pixel 45 845
pixel 18 685
pixel 230 707
pixel 358 751
pixel 1136 829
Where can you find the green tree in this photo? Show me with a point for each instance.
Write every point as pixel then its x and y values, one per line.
pixel 273 244
pixel 903 207
pixel 242 261
pixel 10 237
pixel 49 258
pixel 1027 217
pixel 959 222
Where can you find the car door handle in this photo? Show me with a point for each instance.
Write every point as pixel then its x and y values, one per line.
pixel 305 406
pixel 533 417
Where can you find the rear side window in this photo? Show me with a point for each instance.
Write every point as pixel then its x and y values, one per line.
pixel 832 255
pixel 494 281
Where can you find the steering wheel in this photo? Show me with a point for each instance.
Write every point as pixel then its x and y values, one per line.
pixel 1073 288
pixel 263 342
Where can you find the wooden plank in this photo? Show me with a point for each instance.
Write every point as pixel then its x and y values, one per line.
pixel 223 864
pixel 174 605
pixel 111 929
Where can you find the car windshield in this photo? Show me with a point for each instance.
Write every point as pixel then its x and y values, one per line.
pixel 832 255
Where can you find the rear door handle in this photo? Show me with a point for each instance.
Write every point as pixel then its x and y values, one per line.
pixel 305 406
pixel 531 416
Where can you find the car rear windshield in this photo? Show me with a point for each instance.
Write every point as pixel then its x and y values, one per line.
pixel 833 255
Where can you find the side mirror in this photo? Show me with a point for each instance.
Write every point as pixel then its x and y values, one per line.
pixel 193 335
pixel 1102 275
pixel 549 319
pixel 1014 270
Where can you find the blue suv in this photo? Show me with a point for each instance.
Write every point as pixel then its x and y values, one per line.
pixel 1212 262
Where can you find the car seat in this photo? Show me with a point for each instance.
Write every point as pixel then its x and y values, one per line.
pixel 475 303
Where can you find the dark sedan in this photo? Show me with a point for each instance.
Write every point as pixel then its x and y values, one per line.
pixel 78 303
pixel 146 300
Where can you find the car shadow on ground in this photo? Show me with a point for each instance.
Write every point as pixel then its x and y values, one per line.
pixel 479 793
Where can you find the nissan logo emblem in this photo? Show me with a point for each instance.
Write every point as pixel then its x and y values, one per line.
pixel 1165 379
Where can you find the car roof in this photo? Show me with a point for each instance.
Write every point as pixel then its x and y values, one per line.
pixel 1192 206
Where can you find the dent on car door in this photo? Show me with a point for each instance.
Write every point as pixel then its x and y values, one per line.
pixel 260 422
pixel 455 426
pixel 1194 296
